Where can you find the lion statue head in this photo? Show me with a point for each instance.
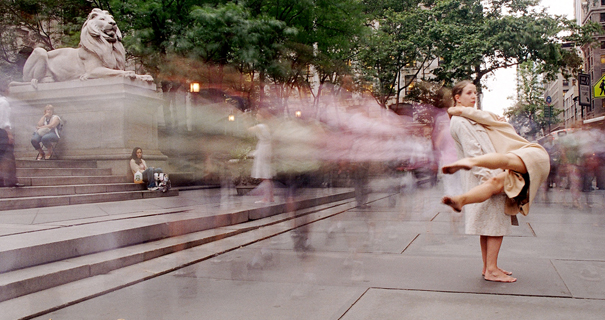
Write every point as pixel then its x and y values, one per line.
pixel 100 35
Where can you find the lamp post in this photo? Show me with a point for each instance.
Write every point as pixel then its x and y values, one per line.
pixel 230 118
pixel 575 109
pixel 194 87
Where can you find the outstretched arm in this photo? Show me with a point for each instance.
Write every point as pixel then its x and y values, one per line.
pixel 471 146
pixel 479 116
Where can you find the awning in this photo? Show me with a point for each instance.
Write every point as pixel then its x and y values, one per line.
pixel 594 120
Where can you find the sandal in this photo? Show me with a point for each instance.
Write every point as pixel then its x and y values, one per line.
pixel 50 153
pixel 40 155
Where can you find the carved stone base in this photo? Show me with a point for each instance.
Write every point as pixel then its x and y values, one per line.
pixel 105 120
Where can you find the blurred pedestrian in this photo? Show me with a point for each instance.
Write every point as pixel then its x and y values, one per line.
pixel 445 150
pixel 571 158
pixel 261 167
pixel 8 170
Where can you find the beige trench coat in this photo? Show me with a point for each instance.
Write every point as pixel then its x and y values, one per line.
pixel 486 218
pixel 505 139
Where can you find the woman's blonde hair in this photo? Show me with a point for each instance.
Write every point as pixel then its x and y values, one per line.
pixel 49 106
pixel 458 87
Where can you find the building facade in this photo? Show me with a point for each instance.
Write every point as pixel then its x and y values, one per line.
pixel 558 92
pixel 594 60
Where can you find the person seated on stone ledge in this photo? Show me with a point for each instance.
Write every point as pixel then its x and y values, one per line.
pixel 137 164
pixel 46 132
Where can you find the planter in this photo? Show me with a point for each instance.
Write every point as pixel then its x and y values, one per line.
pixel 242 190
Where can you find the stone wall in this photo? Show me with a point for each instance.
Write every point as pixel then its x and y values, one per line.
pixel 105 119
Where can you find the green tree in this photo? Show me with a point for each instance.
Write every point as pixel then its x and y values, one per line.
pixel 530 114
pixel 476 38
pixel 326 39
pixel 25 24
pixel 472 39
pixel 396 40
pixel 229 37
pixel 333 36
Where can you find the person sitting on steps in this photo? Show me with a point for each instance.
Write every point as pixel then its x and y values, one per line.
pixel 46 133
pixel 138 164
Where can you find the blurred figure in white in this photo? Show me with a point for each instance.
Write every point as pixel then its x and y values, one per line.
pixel 445 150
pixel 261 167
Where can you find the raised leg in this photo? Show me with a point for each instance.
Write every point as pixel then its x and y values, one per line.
pixel 477 194
pixel 508 161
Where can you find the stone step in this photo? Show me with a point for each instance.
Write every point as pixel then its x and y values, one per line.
pixel 22 163
pixel 51 201
pixel 53 172
pixel 185 232
pixel 80 237
pixel 42 191
pixel 66 180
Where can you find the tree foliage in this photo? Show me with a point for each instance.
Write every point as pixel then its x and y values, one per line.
pixel 273 48
pixel 25 24
pixel 530 113
pixel 475 40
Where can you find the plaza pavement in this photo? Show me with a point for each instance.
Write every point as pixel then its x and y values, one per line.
pixel 407 261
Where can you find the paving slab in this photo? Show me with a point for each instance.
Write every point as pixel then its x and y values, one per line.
pixel 207 299
pixel 379 303
pixel 67 213
pixel 353 270
pixel 585 279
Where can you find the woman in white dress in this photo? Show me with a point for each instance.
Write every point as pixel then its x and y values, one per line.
pixel 261 167
pixel 486 219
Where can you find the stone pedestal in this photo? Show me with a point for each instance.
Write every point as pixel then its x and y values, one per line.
pixel 105 119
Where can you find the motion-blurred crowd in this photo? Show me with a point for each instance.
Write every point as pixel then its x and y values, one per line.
pixel 577 161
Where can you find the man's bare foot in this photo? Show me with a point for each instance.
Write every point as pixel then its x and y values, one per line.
pixel 464 164
pixel 498 276
pixel 452 203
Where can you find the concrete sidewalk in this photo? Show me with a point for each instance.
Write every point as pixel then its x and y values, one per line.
pixel 410 261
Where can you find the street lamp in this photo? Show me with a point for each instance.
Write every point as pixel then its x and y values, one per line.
pixel 194 87
pixel 231 117
pixel 298 114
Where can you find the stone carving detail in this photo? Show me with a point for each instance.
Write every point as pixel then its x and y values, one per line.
pixel 100 54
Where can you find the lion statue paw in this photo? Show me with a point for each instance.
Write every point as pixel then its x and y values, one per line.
pixel 145 77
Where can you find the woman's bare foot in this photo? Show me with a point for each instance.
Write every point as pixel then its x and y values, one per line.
pixel 508 273
pixel 498 276
pixel 465 164
pixel 452 203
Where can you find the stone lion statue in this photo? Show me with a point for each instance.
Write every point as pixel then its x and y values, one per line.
pixel 100 54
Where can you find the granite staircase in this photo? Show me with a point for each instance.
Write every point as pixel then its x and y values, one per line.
pixel 50 183
pixel 89 257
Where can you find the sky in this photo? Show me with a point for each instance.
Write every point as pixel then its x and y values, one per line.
pixel 501 85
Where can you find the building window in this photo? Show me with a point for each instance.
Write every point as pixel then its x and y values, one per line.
pixel 565 83
pixel 602 19
pixel 603 2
